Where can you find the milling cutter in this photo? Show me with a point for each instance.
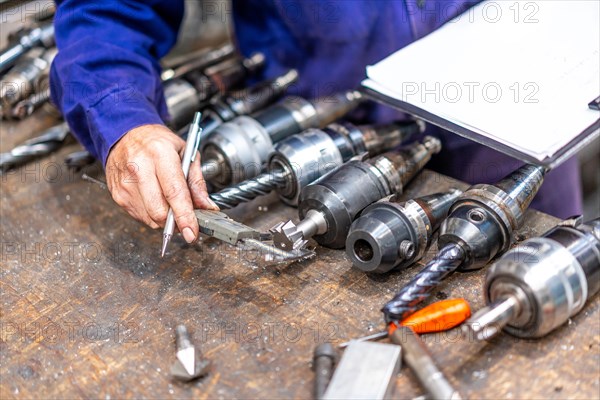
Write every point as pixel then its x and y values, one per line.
pixel 541 283
pixel 328 206
pixel 480 225
pixel 394 235
pixel 304 157
pixel 239 149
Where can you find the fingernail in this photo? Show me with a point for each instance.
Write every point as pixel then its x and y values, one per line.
pixel 188 235
pixel 212 203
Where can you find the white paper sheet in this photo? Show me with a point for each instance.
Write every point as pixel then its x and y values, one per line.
pixel 519 72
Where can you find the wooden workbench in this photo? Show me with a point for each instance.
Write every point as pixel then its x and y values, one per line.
pixel 88 308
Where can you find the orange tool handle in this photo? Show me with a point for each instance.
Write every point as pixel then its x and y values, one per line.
pixel 437 317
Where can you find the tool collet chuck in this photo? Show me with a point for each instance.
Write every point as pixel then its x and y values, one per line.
pixel 537 286
pixel 328 206
pixel 480 225
pixel 239 149
pixel 303 158
pixel 394 235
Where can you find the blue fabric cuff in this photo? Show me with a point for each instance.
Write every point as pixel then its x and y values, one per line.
pixel 115 114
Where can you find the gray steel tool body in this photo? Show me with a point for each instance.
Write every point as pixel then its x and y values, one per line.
pixel 541 283
pixel 23 41
pixel 366 371
pixel 25 108
pixel 480 225
pixel 391 234
pixel 324 359
pixel 186 95
pixel 225 108
pixel 305 157
pixel 328 206
pixel 21 80
pixel 239 149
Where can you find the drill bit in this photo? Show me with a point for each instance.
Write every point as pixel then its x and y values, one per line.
pixel 79 159
pixel 407 300
pixel 199 61
pixel 246 191
pixel 189 364
pixel 46 143
pixel 303 158
pixel 23 78
pixel 480 225
pixel 98 182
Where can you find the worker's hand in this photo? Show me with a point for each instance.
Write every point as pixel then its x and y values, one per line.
pixel 144 176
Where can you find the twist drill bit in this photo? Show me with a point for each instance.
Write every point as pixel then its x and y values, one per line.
pixel 538 285
pixel 448 259
pixel 391 234
pixel 303 158
pixel 78 160
pixel 480 225
pixel 46 143
pixel 328 206
pixel 248 190
pixel 239 149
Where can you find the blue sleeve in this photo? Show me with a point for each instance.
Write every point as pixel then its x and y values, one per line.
pixel 106 76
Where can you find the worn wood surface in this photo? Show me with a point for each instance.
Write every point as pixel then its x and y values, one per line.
pixel 88 308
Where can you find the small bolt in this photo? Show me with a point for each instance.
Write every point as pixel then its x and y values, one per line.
pixel 476 215
pixel 407 249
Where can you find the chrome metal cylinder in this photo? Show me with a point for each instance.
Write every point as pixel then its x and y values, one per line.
pixel 241 145
pixel 550 278
pixel 343 193
pixel 182 102
pixel 305 157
